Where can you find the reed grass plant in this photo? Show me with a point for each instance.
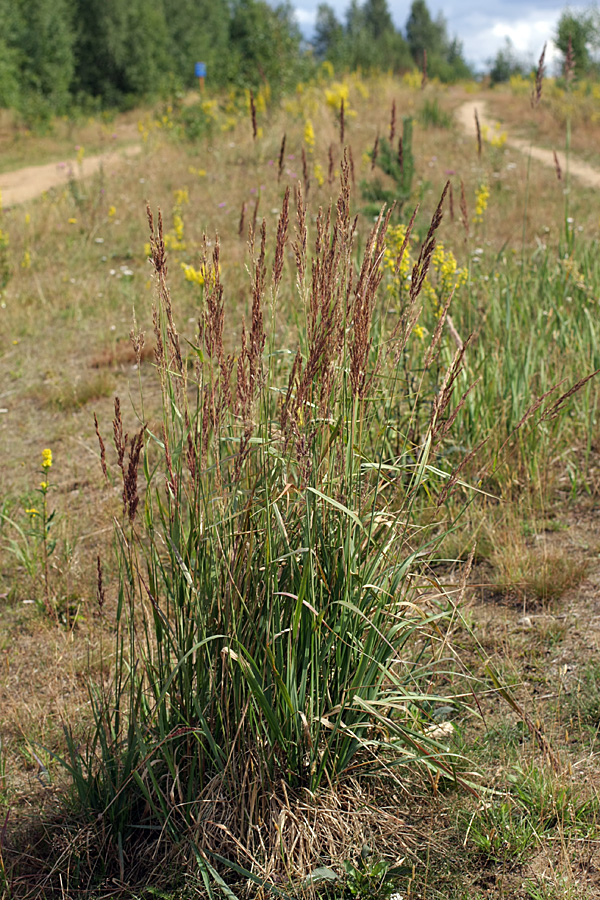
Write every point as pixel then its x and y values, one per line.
pixel 276 634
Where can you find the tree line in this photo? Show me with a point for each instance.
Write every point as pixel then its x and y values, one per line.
pixel 57 54
pixel 109 53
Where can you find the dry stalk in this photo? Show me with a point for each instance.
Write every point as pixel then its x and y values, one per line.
pixel 393 122
pixel 342 122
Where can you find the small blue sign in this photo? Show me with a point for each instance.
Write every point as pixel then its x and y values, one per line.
pixel 200 70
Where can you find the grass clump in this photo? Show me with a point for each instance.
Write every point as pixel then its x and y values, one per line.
pixel 271 592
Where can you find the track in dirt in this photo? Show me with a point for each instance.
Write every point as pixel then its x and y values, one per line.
pixel 25 184
pixel 586 174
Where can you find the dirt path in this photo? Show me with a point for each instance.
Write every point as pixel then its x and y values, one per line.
pixel 25 184
pixel 587 174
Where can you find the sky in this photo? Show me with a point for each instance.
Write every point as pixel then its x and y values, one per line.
pixel 482 28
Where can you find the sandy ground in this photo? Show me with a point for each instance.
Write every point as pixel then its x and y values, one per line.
pixel 30 182
pixel 583 171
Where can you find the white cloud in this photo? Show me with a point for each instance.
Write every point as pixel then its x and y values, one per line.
pixel 305 18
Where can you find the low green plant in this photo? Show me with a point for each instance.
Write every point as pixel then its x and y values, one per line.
pixel 432 115
pixel 398 165
pixel 34 544
pixel 535 803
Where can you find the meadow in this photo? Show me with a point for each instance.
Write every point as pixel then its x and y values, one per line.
pixel 311 608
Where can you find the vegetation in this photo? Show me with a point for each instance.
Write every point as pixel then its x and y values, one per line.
pixel 309 623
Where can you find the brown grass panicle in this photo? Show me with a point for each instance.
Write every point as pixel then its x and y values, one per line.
pixel 557 167
pixel 375 151
pixel 281 160
pixel 569 66
pixel 253 116
pixel 478 132
pixel 536 94
pixel 305 173
pixel 464 213
pixel 393 122
pixel 282 233
pixel 129 471
pixel 363 304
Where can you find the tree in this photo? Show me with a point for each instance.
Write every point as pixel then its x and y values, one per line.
pixel 198 32
pixel 377 18
pixel 505 64
pixel 583 30
pixel 328 39
pixel 423 34
pixel 265 44
pixel 121 49
pixel 38 51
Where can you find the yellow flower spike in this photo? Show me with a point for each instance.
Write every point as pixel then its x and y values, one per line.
pixel 112 210
pixel 46 459
pixel 181 196
pixel 309 135
pixel 481 202
pixel 44 485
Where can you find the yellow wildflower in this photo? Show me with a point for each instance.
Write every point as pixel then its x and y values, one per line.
pixel 46 459
pixel 481 201
pixel 72 221
pixel 309 135
pixel 181 196
pixel 196 276
pixel 111 211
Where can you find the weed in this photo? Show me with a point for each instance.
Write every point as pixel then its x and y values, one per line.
pixel 432 115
